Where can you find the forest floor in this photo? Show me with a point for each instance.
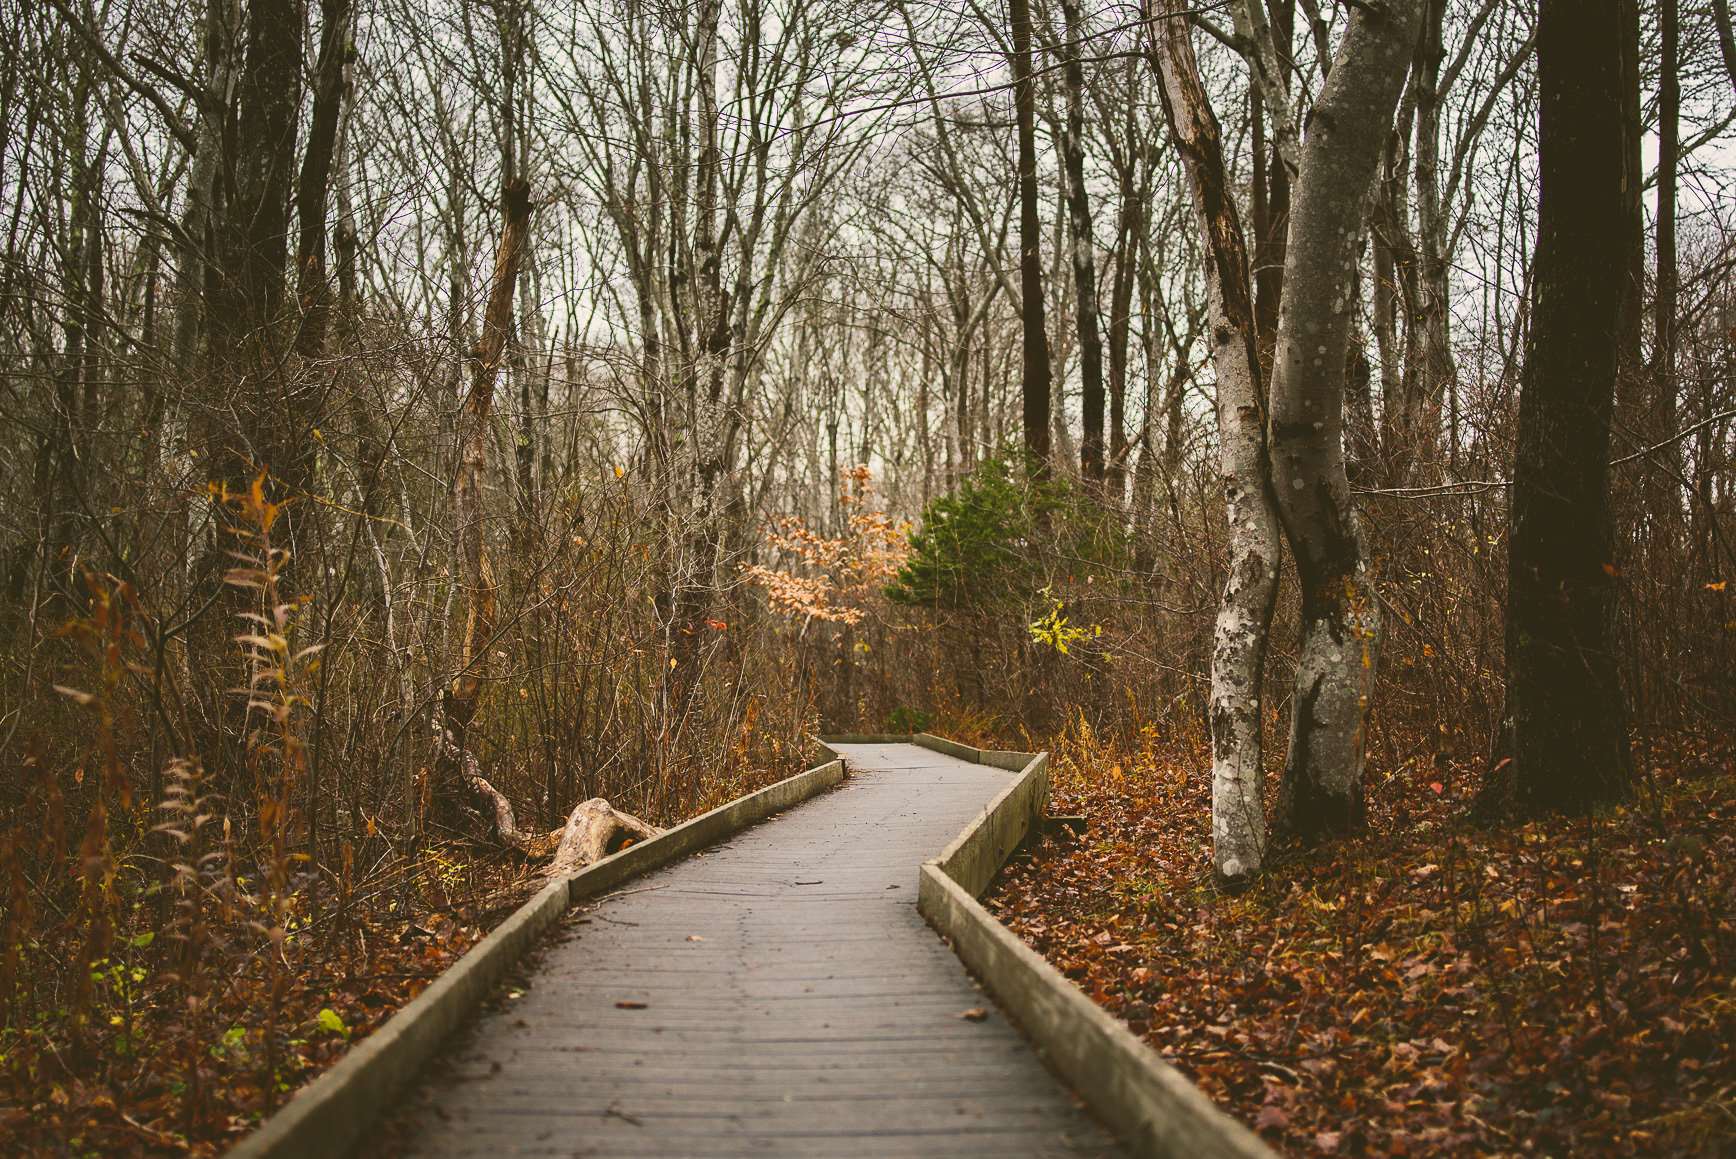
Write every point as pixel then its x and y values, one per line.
pixel 1561 988
pixel 174 1075
pixel 166 1065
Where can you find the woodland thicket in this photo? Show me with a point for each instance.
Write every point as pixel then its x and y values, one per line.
pixel 598 399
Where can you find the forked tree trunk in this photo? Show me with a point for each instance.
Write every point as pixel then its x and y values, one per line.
pixel 1245 611
pixel 1322 788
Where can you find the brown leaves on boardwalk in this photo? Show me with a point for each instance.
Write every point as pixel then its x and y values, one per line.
pixel 1564 988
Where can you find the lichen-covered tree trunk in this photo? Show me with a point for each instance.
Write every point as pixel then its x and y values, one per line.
pixel 1245 610
pixel 1336 662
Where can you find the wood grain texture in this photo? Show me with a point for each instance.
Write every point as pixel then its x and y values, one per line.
pixel 794 1004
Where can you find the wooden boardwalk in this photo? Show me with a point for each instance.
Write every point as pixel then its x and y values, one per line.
pixel 777 995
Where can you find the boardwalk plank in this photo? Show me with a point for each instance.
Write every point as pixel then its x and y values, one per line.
pixel 815 1015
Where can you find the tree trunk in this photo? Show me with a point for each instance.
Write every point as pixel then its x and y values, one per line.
pixel 1037 377
pixel 1091 460
pixel 1663 503
pixel 472 460
pixel 1565 723
pixel 267 398
pixel 1436 367
pixel 1120 331
pixel 1631 384
pixel 1726 37
pixel 313 285
pixel 1271 197
pixel 1322 789
pixel 1250 593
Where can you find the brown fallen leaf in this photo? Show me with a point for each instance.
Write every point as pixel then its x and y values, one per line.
pixel 629 1004
pixel 974 1014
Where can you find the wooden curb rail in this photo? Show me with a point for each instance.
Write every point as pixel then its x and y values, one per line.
pixel 330 1114
pixel 1150 1106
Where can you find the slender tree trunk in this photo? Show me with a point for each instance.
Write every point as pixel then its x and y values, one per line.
pixel 1322 788
pixel 698 540
pixel 1120 331
pixel 1663 504
pixel 1437 368
pixel 1396 300
pixel 1250 593
pixel 1565 723
pixel 222 18
pixel 313 285
pixel 1631 385
pixel 1271 208
pixel 1091 446
pixel 1726 37
pixel 1037 380
pixel 473 457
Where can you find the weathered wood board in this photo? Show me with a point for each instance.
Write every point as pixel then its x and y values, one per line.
pixel 793 1004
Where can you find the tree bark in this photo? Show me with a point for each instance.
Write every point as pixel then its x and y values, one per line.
pixel 1726 37
pixel 473 455
pixel 1245 611
pixel 1322 787
pixel 1091 448
pixel 1436 367
pixel 313 285
pixel 1565 722
pixel 1663 503
pixel 1037 379
pixel 696 538
pixel 1271 198
pixel 245 339
pixel 458 708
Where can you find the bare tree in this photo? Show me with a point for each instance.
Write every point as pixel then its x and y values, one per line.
pixel 1340 641
pixel 1245 611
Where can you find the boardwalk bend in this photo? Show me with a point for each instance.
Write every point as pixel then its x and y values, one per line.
pixel 775 995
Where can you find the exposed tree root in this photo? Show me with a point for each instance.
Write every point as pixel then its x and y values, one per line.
pixel 593 831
